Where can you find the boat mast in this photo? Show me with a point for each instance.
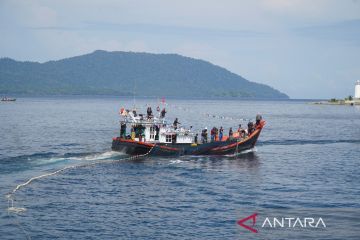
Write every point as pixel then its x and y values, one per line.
pixel 134 101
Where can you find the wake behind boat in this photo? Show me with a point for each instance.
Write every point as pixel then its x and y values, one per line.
pixel 153 136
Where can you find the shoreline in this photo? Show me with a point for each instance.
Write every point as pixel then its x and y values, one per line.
pixel 338 102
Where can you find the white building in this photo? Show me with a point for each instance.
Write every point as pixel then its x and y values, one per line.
pixel 357 89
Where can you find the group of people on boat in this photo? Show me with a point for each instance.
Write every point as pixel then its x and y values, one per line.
pixel 150 115
pixel 218 134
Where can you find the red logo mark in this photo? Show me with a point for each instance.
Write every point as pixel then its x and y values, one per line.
pixel 253 217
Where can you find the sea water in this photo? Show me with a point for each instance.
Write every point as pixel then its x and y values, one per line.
pixel 305 164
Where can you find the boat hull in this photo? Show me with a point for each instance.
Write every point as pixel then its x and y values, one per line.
pixel 231 147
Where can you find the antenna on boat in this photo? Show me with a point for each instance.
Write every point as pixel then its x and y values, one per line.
pixel 134 101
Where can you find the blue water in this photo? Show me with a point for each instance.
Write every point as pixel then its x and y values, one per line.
pixel 306 163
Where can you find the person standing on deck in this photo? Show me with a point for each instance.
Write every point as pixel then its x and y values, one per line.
pixel 212 134
pixel 196 139
pixel 230 133
pixel 204 135
pixel 132 133
pixel 241 132
pixel 250 128
pixel 221 131
pixel 163 112
pixel 157 130
pixel 175 124
pixel 149 112
pixel 258 120
pixel 122 129
pixel 216 133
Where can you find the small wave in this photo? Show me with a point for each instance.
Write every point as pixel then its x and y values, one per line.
pixel 29 157
pixel 99 156
pixel 16 209
pixel 177 161
pixel 48 158
pixel 252 150
pixel 110 155
pixel 52 155
pixel 47 161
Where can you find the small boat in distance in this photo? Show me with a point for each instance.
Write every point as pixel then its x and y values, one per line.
pixel 153 136
pixel 6 99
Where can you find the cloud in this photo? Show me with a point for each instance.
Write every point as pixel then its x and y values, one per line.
pixel 156 29
pixel 313 12
pixel 29 13
pixel 345 31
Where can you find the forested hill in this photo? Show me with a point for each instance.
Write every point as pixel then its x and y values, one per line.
pixel 119 73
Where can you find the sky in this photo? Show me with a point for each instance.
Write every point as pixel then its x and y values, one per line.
pixel 304 48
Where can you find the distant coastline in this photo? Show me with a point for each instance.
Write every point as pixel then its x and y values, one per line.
pixel 346 101
pixel 23 97
pixel 128 74
pixel 90 96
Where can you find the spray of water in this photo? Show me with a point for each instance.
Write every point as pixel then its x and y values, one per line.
pixel 237 154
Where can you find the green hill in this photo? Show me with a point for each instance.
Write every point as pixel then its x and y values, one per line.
pixel 116 73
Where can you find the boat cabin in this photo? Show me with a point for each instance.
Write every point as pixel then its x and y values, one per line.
pixel 155 130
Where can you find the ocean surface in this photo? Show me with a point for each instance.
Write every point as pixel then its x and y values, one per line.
pixel 305 164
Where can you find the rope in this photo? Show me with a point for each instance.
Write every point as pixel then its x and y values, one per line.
pixel 210 115
pixel 11 196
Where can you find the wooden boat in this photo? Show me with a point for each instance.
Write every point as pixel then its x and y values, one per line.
pixel 6 99
pixel 153 136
